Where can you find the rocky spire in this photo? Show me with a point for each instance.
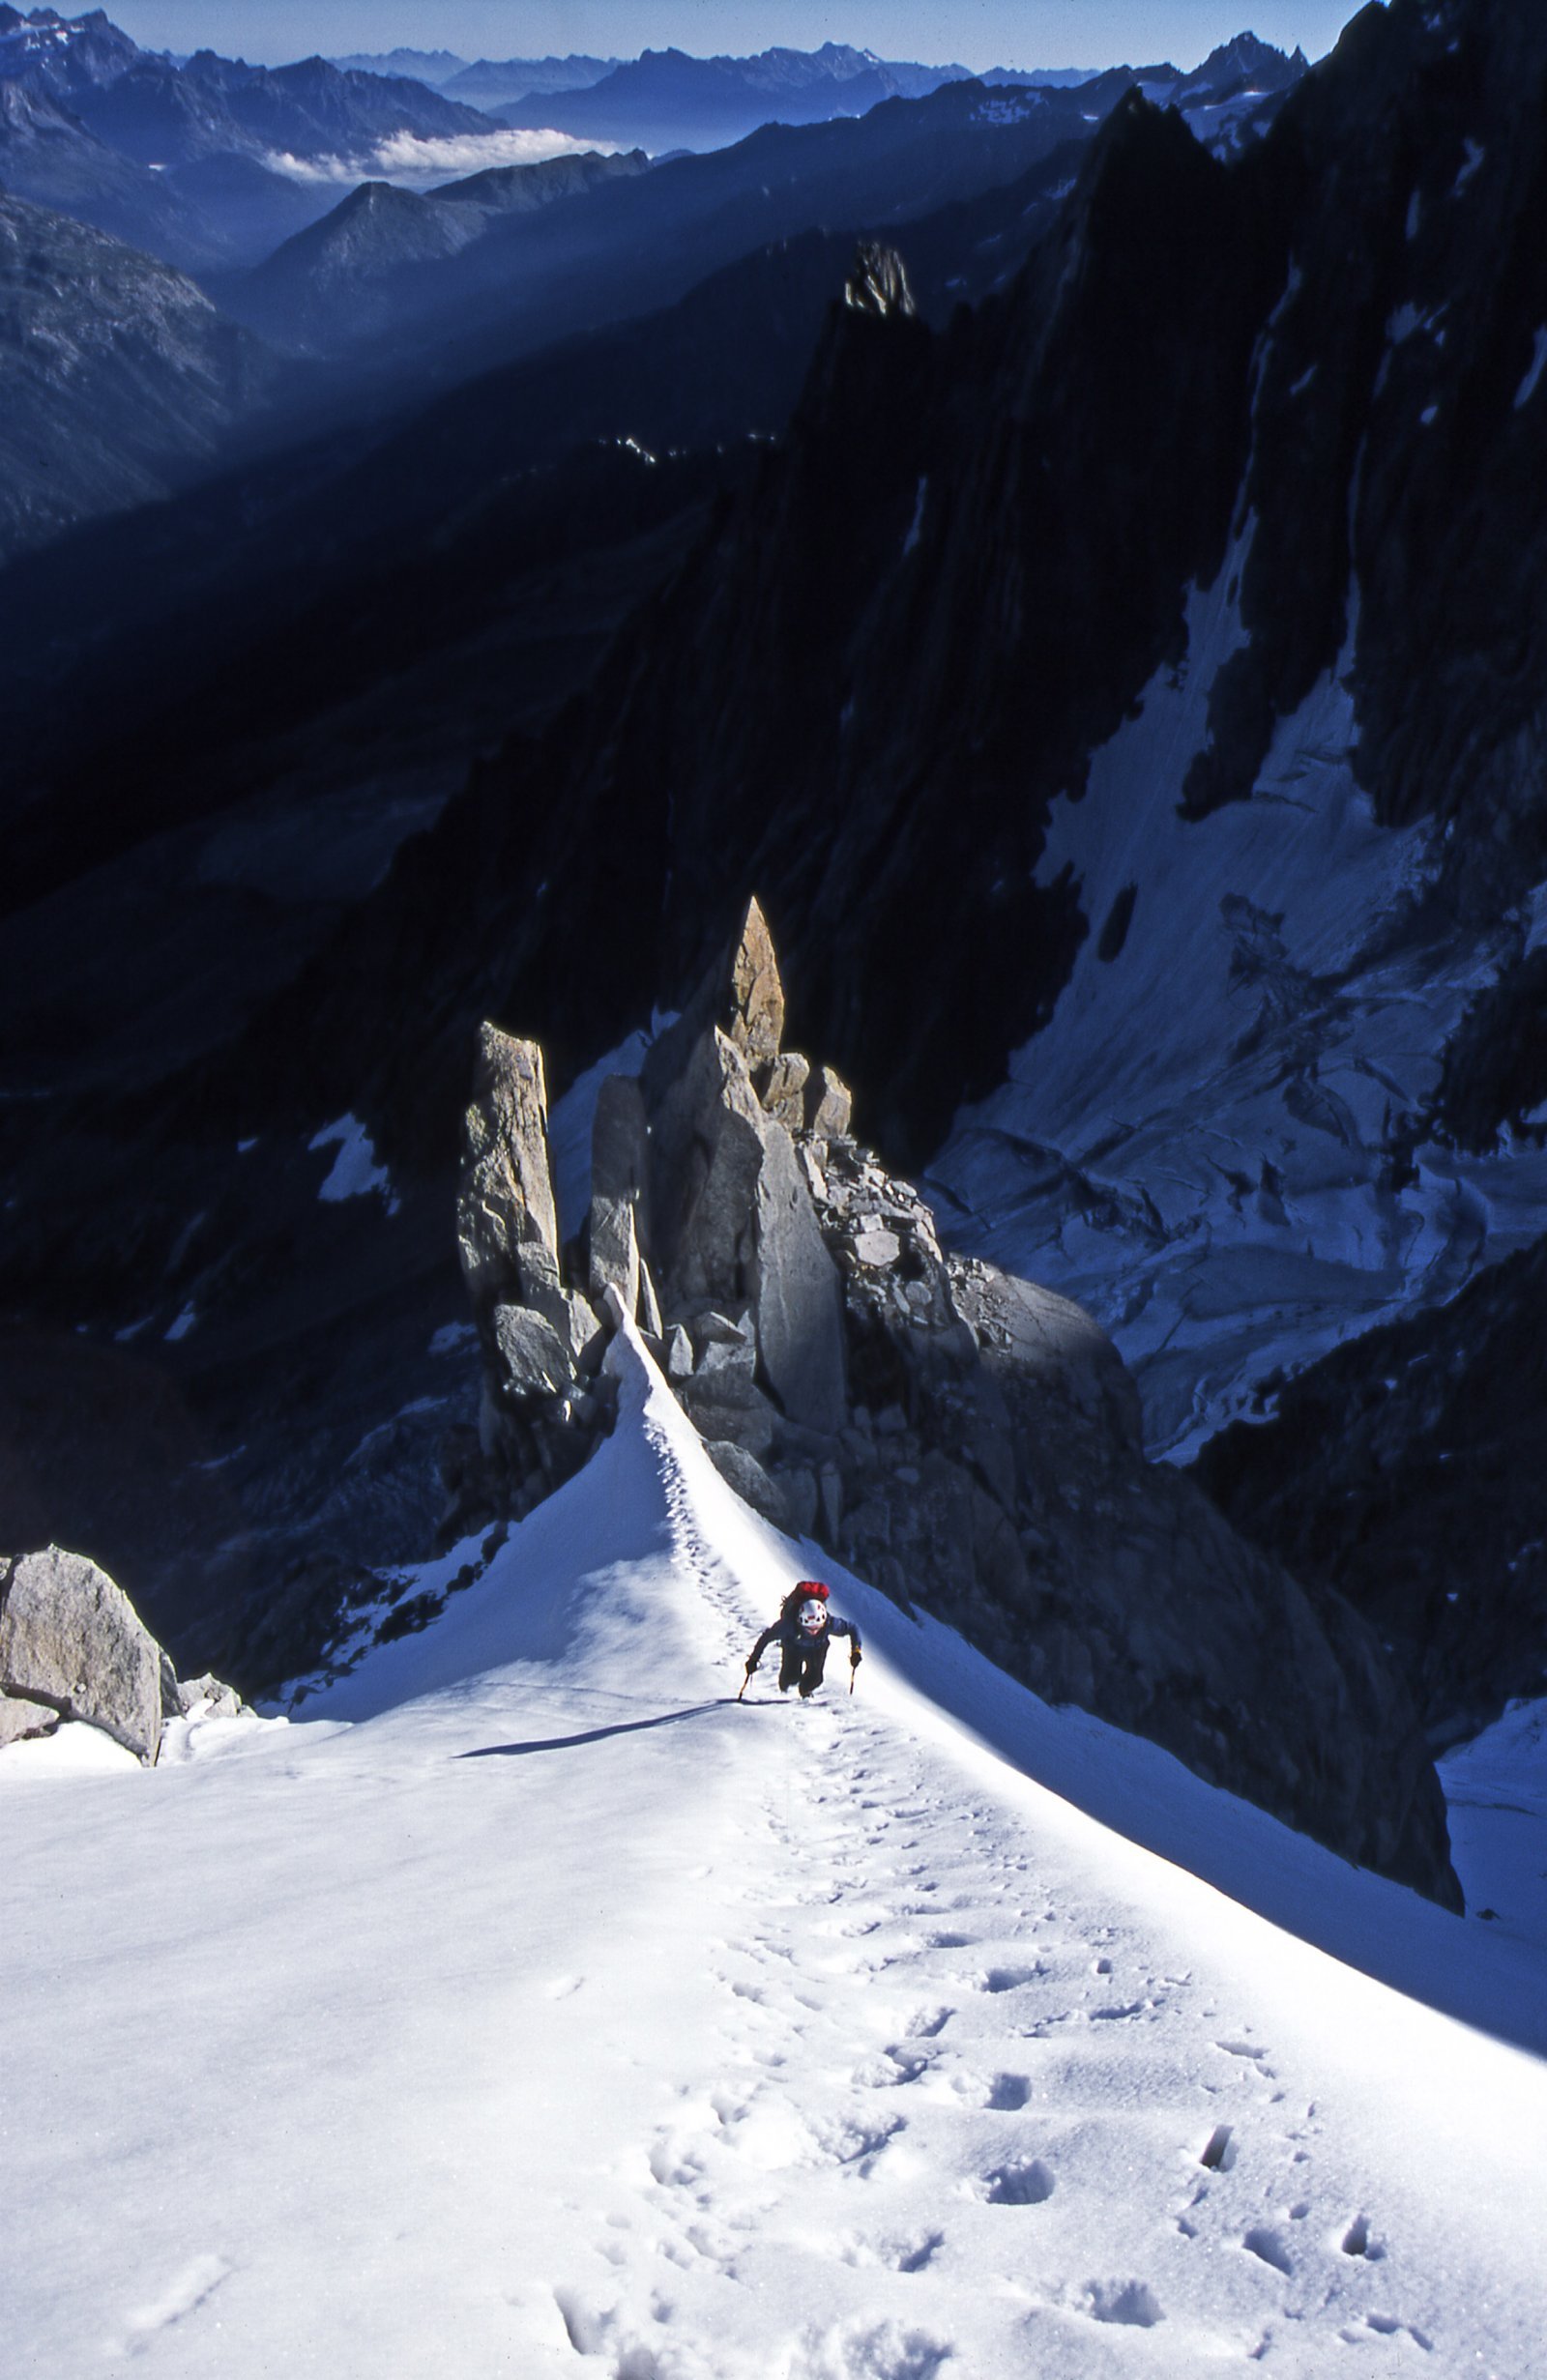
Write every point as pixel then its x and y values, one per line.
pixel 756 1009
pixel 507 1220
pixel 878 282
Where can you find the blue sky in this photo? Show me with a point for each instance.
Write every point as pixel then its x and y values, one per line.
pixel 980 33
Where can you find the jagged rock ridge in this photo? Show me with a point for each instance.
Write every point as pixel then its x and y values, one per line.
pixel 959 1437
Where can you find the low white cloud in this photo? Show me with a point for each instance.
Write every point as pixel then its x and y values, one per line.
pixel 418 165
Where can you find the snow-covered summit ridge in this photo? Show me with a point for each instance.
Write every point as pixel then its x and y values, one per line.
pixel 580 2013
pixel 652 1492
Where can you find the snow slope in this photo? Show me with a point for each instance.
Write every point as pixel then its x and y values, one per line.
pixel 527 2007
pixel 1205 1147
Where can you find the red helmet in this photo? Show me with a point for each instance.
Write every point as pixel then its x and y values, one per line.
pixel 810 1586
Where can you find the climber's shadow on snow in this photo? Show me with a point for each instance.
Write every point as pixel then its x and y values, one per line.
pixel 596 1736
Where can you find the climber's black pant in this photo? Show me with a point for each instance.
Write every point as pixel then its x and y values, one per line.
pixel 802 1665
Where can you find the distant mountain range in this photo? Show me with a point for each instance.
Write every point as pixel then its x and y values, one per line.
pixel 491 82
pixel 211 164
pixel 434 67
pixel 195 162
pixel 499 281
pixel 666 100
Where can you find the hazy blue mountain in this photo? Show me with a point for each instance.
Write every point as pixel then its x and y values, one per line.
pixel 310 109
pixel 434 67
pixel 48 156
pixel 491 82
pixel 340 278
pixel 1040 77
pixel 118 379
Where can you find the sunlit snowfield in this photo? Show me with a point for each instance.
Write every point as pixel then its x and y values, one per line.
pixel 525 2007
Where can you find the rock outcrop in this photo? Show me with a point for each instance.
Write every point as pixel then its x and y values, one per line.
pixel 956 1435
pixel 544 1399
pixel 73 1647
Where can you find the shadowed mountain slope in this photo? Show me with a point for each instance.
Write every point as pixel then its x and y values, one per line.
pixel 119 382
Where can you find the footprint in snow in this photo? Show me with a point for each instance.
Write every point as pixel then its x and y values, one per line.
pixel 1387 2325
pixel 1026 2183
pixel 891 2068
pixel 1252 2050
pixel 597 2332
pixel 1265 2245
pixel 909 2255
pixel 1356 2241
pixel 1130 2302
pixel 859 2145
pixel 852 2352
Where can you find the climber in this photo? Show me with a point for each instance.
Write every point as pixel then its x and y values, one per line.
pixel 804 1631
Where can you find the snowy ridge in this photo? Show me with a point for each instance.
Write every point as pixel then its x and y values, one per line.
pixel 1204 1145
pixel 536 1998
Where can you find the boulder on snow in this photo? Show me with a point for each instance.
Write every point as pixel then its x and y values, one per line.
pixel 71 1641
pixel 206 1697
pixel 507 1220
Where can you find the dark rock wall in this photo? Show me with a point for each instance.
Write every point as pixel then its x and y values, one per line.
pixel 1406 1471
